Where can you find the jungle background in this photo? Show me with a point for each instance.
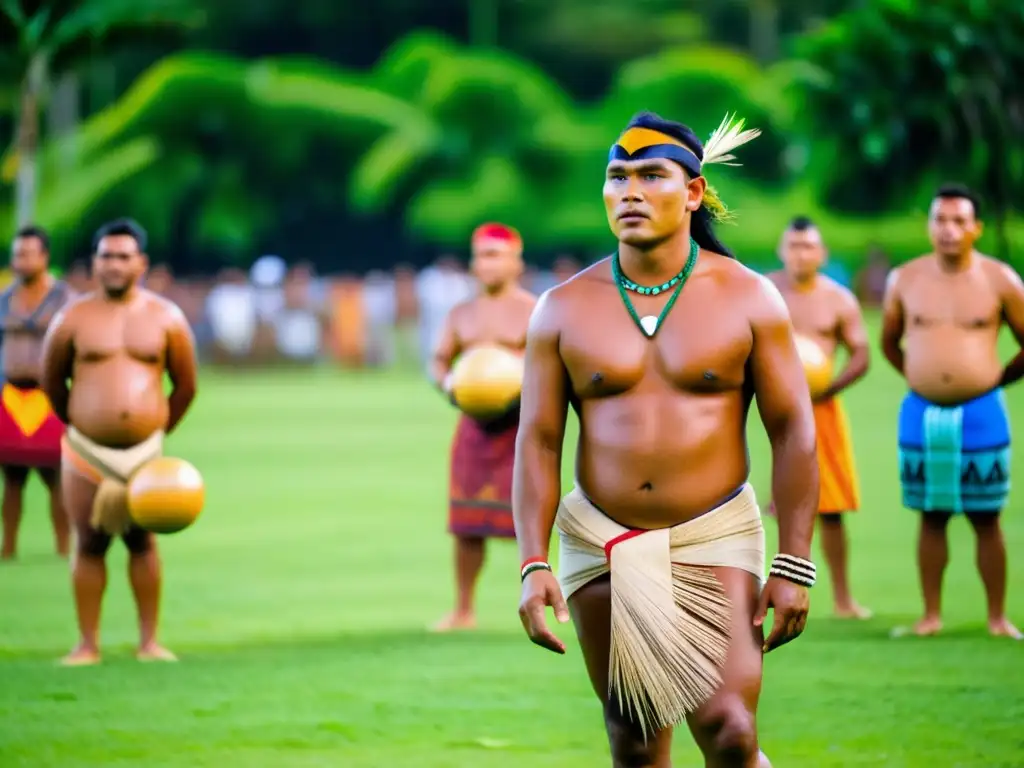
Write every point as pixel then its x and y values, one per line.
pixel 358 136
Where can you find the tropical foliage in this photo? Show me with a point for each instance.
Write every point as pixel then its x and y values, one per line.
pixel 900 97
pixel 39 41
pixel 224 157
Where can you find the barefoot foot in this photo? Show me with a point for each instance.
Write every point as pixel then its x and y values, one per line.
pixel 852 611
pixel 926 627
pixel 154 652
pixel 82 656
pixel 455 622
pixel 1003 628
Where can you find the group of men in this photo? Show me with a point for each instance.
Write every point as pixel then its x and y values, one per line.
pixel 83 404
pixel 660 350
pixel 661 545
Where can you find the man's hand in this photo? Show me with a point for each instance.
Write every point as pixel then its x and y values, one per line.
pixel 446 388
pixel 540 590
pixel 791 603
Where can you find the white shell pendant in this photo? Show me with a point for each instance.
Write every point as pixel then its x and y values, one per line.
pixel 649 324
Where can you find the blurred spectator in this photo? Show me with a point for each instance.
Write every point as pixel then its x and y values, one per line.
pixel 79 277
pixel 159 279
pixel 231 311
pixel 381 305
pixel 439 287
pixel 299 323
pixel 871 279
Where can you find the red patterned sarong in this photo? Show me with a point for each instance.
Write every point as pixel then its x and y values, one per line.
pixel 480 491
pixel 30 431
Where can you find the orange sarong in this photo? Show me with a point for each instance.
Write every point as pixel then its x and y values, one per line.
pixel 30 431
pixel 840 488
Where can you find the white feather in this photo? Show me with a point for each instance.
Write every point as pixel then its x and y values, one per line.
pixel 727 137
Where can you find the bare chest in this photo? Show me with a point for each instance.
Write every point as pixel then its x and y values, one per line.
pixel 138 337
pixel 29 313
pixel 813 314
pixel 965 302
pixel 698 348
pixel 501 324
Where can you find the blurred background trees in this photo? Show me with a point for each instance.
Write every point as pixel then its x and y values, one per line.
pixel 356 136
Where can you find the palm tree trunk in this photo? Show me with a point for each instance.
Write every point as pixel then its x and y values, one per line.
pixel 63 117
pixel 28 141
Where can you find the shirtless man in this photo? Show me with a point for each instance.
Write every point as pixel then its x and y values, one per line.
pixel 828 314
pixel 480 489
pixel 662 388
pixel 114 346
pixel 30 432
pixel 942 317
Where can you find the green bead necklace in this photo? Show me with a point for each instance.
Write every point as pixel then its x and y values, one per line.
pixel 650 324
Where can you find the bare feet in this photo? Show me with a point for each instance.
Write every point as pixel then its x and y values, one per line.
pixel 926 627
pixel 455 622
pixel 82 656
pixel 1003 628
pixel 853 610
pixel 154 652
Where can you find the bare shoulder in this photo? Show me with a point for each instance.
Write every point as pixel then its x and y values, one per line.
pixel 844 298
pixel 757 293
pixel 1003 276
pixel 164 308
pixel 75 307
pixel 583 285
pixel 563 301
pixel 909 270
pixel 461 309
pixel 776 277
pixel 525 298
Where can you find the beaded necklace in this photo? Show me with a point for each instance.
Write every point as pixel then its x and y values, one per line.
pixel 650 324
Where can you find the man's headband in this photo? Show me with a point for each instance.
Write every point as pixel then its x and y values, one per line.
pixel 646 143
pixel 638 143
pixel 500 232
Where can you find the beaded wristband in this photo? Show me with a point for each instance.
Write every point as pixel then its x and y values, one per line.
pixel 531 565
pixel 795 569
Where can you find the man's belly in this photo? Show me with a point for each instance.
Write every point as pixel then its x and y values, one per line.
pixel 947 366
pixel 21 358
pixel 117 403
pixel 662 467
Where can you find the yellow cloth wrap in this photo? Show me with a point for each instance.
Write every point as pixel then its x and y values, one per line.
pixel 670 616
pixel 111 469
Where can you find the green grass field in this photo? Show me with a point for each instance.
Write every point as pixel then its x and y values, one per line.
pixel 299 602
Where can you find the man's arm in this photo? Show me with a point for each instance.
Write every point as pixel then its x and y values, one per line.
pixel 537 476
pixel 1013 314
pixel 445 351
pixel 853 336
pixel 785 408
pixel 181 368
pixel 58 360
pixel 893 322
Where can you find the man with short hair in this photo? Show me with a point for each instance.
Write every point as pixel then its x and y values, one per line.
pixel 942 316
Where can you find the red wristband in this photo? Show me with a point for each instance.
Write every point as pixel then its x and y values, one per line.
pixel 532 560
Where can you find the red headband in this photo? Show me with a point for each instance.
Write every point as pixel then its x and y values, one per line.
pixel 497 232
